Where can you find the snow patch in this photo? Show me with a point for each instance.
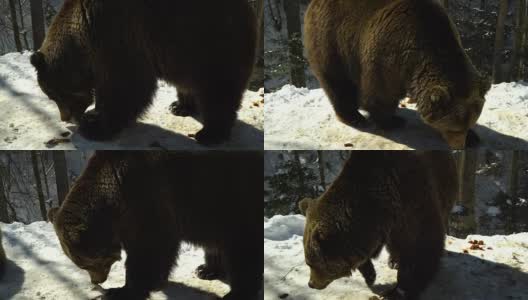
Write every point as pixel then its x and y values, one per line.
pixel 280 228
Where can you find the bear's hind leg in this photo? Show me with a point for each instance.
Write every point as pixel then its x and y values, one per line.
pixel 418 267
pixel 213 267
pixel 185 105
pixel 120 101
pixel 244 270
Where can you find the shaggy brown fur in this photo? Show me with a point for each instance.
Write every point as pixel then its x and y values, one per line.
pixel 2 258
pixel 372 53
pixel 116 50
pixel 147 203
pixel 400 200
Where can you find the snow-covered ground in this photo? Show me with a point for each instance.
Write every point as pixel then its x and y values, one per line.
pixel 30 119
pixel 499 272
pixel 38 269
pixel 299 118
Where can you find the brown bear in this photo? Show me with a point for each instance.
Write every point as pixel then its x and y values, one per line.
pixel 2 258
pixel 148 203
pixel 370 54
pixel 114 52
pixel 400 200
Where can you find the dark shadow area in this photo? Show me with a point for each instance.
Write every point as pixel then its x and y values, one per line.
pixel 175 290
pixel 420 136
pixel 11 283
pixel 464 276
pixel 143 136
pixel 48 265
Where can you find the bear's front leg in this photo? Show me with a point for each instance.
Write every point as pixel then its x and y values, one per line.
pixel 472 139
pixel 368 272
pixel 124 293
pixel 119 102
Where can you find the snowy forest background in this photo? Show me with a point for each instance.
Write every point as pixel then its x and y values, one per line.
pixel 31 182
pixel 493 32
pixel 492 196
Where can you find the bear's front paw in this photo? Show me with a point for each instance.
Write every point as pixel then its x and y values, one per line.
pixel 396 294
pixel 122 294
pixel 240 296
pixel 355 120
pixel 394 263
pixel 206 272
pixel 93 126
pixel 179 108
pixel 472 139
pixel 208 137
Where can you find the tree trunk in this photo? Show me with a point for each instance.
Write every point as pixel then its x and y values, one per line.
pixel 40 193
pixel 44 175
pixel 514 187
pixel 295 46
pixel 445 3
pixel 257 78
pixel 14 24
pixel 499 42
pixel 468 169
pixel 37 23
pixel 22 25
pixel 483 4
pixel 302 185
pixel 61 175
pixel 514 72
pixel 4 214
pixel 320 160
pixel 524 39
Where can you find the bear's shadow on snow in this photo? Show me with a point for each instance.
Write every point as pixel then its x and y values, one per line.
pixel 143 136
pixel 30 254
pixel 176 290
pixel 417 135
pixel 491 278
pixel 11 283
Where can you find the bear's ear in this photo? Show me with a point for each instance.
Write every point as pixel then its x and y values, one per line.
pixel 38 60
pixel 305 204
pixel 52 213
pixel 437 102
pixel 485 85
pixel 439 94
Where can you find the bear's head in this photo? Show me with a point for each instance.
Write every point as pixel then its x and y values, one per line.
pixel 452 115
pixel 331 250
pixel 90 247
pixel 67 81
